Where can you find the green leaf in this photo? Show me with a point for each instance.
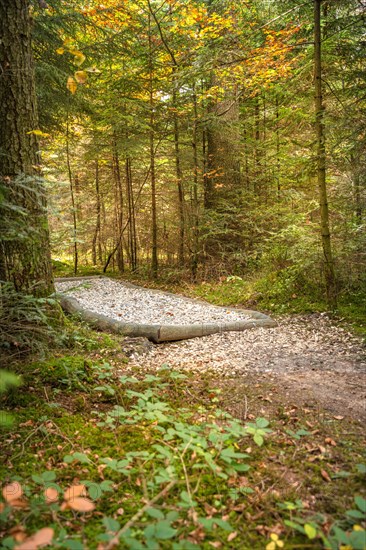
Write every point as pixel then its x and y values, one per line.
pixel 81 457
pixel 155 513
pixel 357 540
pixel 258 439
pixel 294 525
pixel 230 453
pixel 49 476
pixel 361 503
pixel 164 531
pixel 310 531
pixel 262 423
pixel 355 514
pixel 340 535
pixel 106 485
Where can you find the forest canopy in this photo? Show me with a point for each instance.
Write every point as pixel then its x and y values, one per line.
pixel 204 139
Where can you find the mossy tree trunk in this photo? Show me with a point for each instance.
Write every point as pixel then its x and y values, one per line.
pixel 24 259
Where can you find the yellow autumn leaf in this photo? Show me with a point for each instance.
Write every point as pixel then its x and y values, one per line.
pixel 80 77
pixel 38 133
pixel 79 58
pixel 71 85
pixel 60 51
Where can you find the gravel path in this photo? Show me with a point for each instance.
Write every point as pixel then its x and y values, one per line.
pixel 307 356
pixel 117 301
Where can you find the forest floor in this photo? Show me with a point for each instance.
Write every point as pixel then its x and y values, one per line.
pixel 239 441
pixel 307 359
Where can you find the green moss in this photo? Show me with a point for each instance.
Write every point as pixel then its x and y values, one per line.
pixel 63 421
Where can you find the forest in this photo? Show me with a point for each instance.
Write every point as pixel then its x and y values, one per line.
pixel 182 274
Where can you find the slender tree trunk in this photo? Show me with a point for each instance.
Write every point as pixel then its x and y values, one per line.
pixel 329 272
pixel 278 152
pixel 179 176
pixel 118 205
pixel 356 180
pixel 27 264
pixel 154 226
pixel 257 152
pixel 73 202
pixel 195 205
pixel 132 245
pixel 96 238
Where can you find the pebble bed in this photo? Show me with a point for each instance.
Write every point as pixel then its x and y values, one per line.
pixel 139 305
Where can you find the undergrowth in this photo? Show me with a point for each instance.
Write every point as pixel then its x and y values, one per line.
pixel 103 455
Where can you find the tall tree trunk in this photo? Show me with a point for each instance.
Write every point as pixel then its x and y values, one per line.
pixel 257 150
pixel 27 264
pixel 118 205
pixel 96 237
pixel 132 244
pixel 356 188
pixel 329 272
pixel 154 226
pixel 223 192
pixel 278 151
pixel 73 202
pixel 179 176
pixel 195 205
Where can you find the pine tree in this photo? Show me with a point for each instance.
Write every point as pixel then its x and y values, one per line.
pixel 24 259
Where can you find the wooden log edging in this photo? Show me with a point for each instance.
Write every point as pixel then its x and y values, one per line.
pixel 155 332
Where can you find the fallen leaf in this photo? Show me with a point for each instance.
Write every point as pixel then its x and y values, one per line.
pixel 80 77
pixel 232 536
pixel 81 504
pixel 338 417
pixel 12 491
pixel 325 475
pixel 71 85
pixel 18 533
pixel 330 441
pixel 43 537
pixel 75 491
pixel 51 495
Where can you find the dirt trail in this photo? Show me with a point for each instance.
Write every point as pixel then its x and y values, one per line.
pixel 308 358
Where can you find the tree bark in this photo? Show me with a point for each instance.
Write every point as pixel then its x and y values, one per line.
pixel 329 273
pixel 195 205
pixel 118 205
pixel 73 202
pixel 27 263
pixel 96 238
pixel 131 216
pixel 154 226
